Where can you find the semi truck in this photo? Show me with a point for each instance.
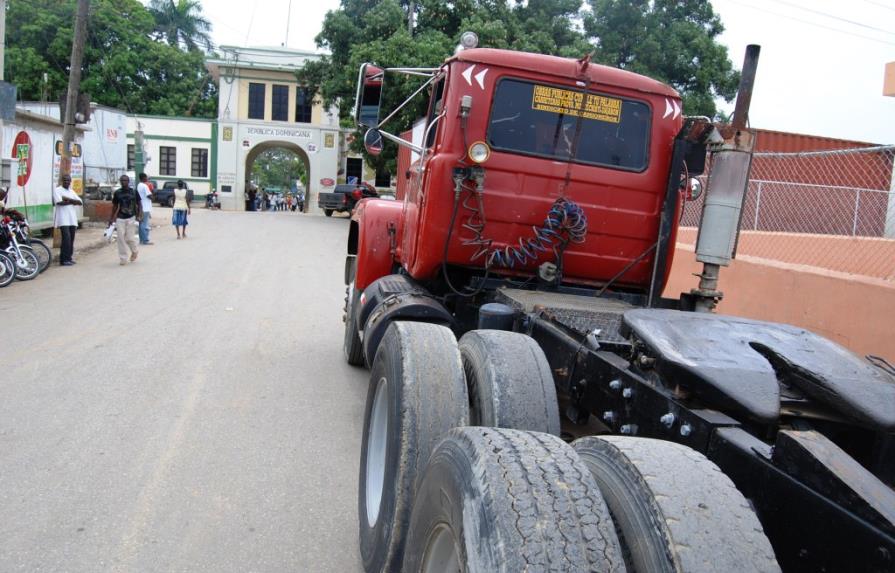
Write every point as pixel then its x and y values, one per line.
pixel 535 402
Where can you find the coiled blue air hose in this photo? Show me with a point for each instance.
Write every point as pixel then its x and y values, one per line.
pixel 565 223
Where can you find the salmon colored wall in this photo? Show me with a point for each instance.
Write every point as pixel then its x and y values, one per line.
pixel 857 312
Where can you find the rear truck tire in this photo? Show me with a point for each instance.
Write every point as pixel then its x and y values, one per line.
pixel 328 212
pixel 674 510
pixel 497 500
pixel 509 382
pixel 351 344
pixel 417 393
pixel 171 201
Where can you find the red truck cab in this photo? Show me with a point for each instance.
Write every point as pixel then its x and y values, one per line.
pixel 530 129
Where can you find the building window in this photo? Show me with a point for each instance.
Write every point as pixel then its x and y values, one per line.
pixel 130 156
pixel 199 163
pixel 383 179
pixel 256 101
pixel 354 170
pixel 304 99
pixel 280 104
pixel 167 160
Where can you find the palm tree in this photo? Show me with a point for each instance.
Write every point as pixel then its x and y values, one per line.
pixel 181 23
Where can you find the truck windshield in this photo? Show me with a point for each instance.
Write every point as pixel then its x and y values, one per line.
pixel 538 119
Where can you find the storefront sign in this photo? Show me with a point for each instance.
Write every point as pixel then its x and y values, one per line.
pixel 21 150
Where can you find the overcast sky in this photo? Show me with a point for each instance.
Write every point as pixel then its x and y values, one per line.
pixel 820 71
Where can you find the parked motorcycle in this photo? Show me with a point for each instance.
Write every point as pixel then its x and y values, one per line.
pixel 24 238
pixel 27 263
pixel 212 200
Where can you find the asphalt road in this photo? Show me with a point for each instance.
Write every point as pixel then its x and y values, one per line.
pixel 191 411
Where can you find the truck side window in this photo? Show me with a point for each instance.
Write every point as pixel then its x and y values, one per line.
pixel 436 106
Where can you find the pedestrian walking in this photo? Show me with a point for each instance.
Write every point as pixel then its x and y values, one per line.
pixel 252 201
pixel 145 191
pixel 65 219
pixel 126 214
pixel 181 210
pixel 289 202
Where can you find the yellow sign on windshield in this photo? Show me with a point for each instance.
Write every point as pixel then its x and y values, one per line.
pixel 568 102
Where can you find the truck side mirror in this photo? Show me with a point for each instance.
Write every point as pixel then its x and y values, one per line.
pixel 369 95
pixel 373 142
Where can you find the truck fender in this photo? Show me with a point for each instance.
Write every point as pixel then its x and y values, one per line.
pixel 381 289
pixel 373 237
pixel 414 306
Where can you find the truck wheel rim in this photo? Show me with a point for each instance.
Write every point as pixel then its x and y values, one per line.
pixel 376 445
pixel 441 555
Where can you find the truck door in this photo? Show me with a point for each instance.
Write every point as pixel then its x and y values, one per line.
pixel 415 199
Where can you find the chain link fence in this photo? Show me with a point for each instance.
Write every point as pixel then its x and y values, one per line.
pixel 833 210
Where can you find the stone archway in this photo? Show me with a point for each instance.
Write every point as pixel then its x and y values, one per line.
pixel 253 154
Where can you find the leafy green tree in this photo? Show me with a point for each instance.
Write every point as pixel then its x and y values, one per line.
pixel 377 31
pixel 674 41
pixel 123 65
pixel 278 168
pixel 181 23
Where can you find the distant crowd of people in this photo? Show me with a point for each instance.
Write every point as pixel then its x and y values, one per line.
pixel 264 201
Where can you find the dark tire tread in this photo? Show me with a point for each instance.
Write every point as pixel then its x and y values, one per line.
pixel 706 523
pixel 537 485
pixel 510 382
pixel 352 346
pixel 427 396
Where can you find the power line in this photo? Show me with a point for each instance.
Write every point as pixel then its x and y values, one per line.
pixel 800 21
pixel 251 21
pixel 834 17
pixel 880 4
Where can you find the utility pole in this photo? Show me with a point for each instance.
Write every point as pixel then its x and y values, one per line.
pixel 74 87
pixel 139 163
pixel 410 12
pixel 288 19
pixel 2 38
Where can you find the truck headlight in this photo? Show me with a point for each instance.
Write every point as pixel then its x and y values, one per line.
pixel 479 152
pixel 695 189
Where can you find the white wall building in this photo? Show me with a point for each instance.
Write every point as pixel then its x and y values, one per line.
pixel 175 148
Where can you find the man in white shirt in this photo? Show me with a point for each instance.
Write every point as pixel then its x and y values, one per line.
pixel 146 201
pixel 66 219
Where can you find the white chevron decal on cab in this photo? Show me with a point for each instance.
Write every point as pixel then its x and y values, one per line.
pixel 467 73
pixel 677 109
pixel 668 109
pixel 480 78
